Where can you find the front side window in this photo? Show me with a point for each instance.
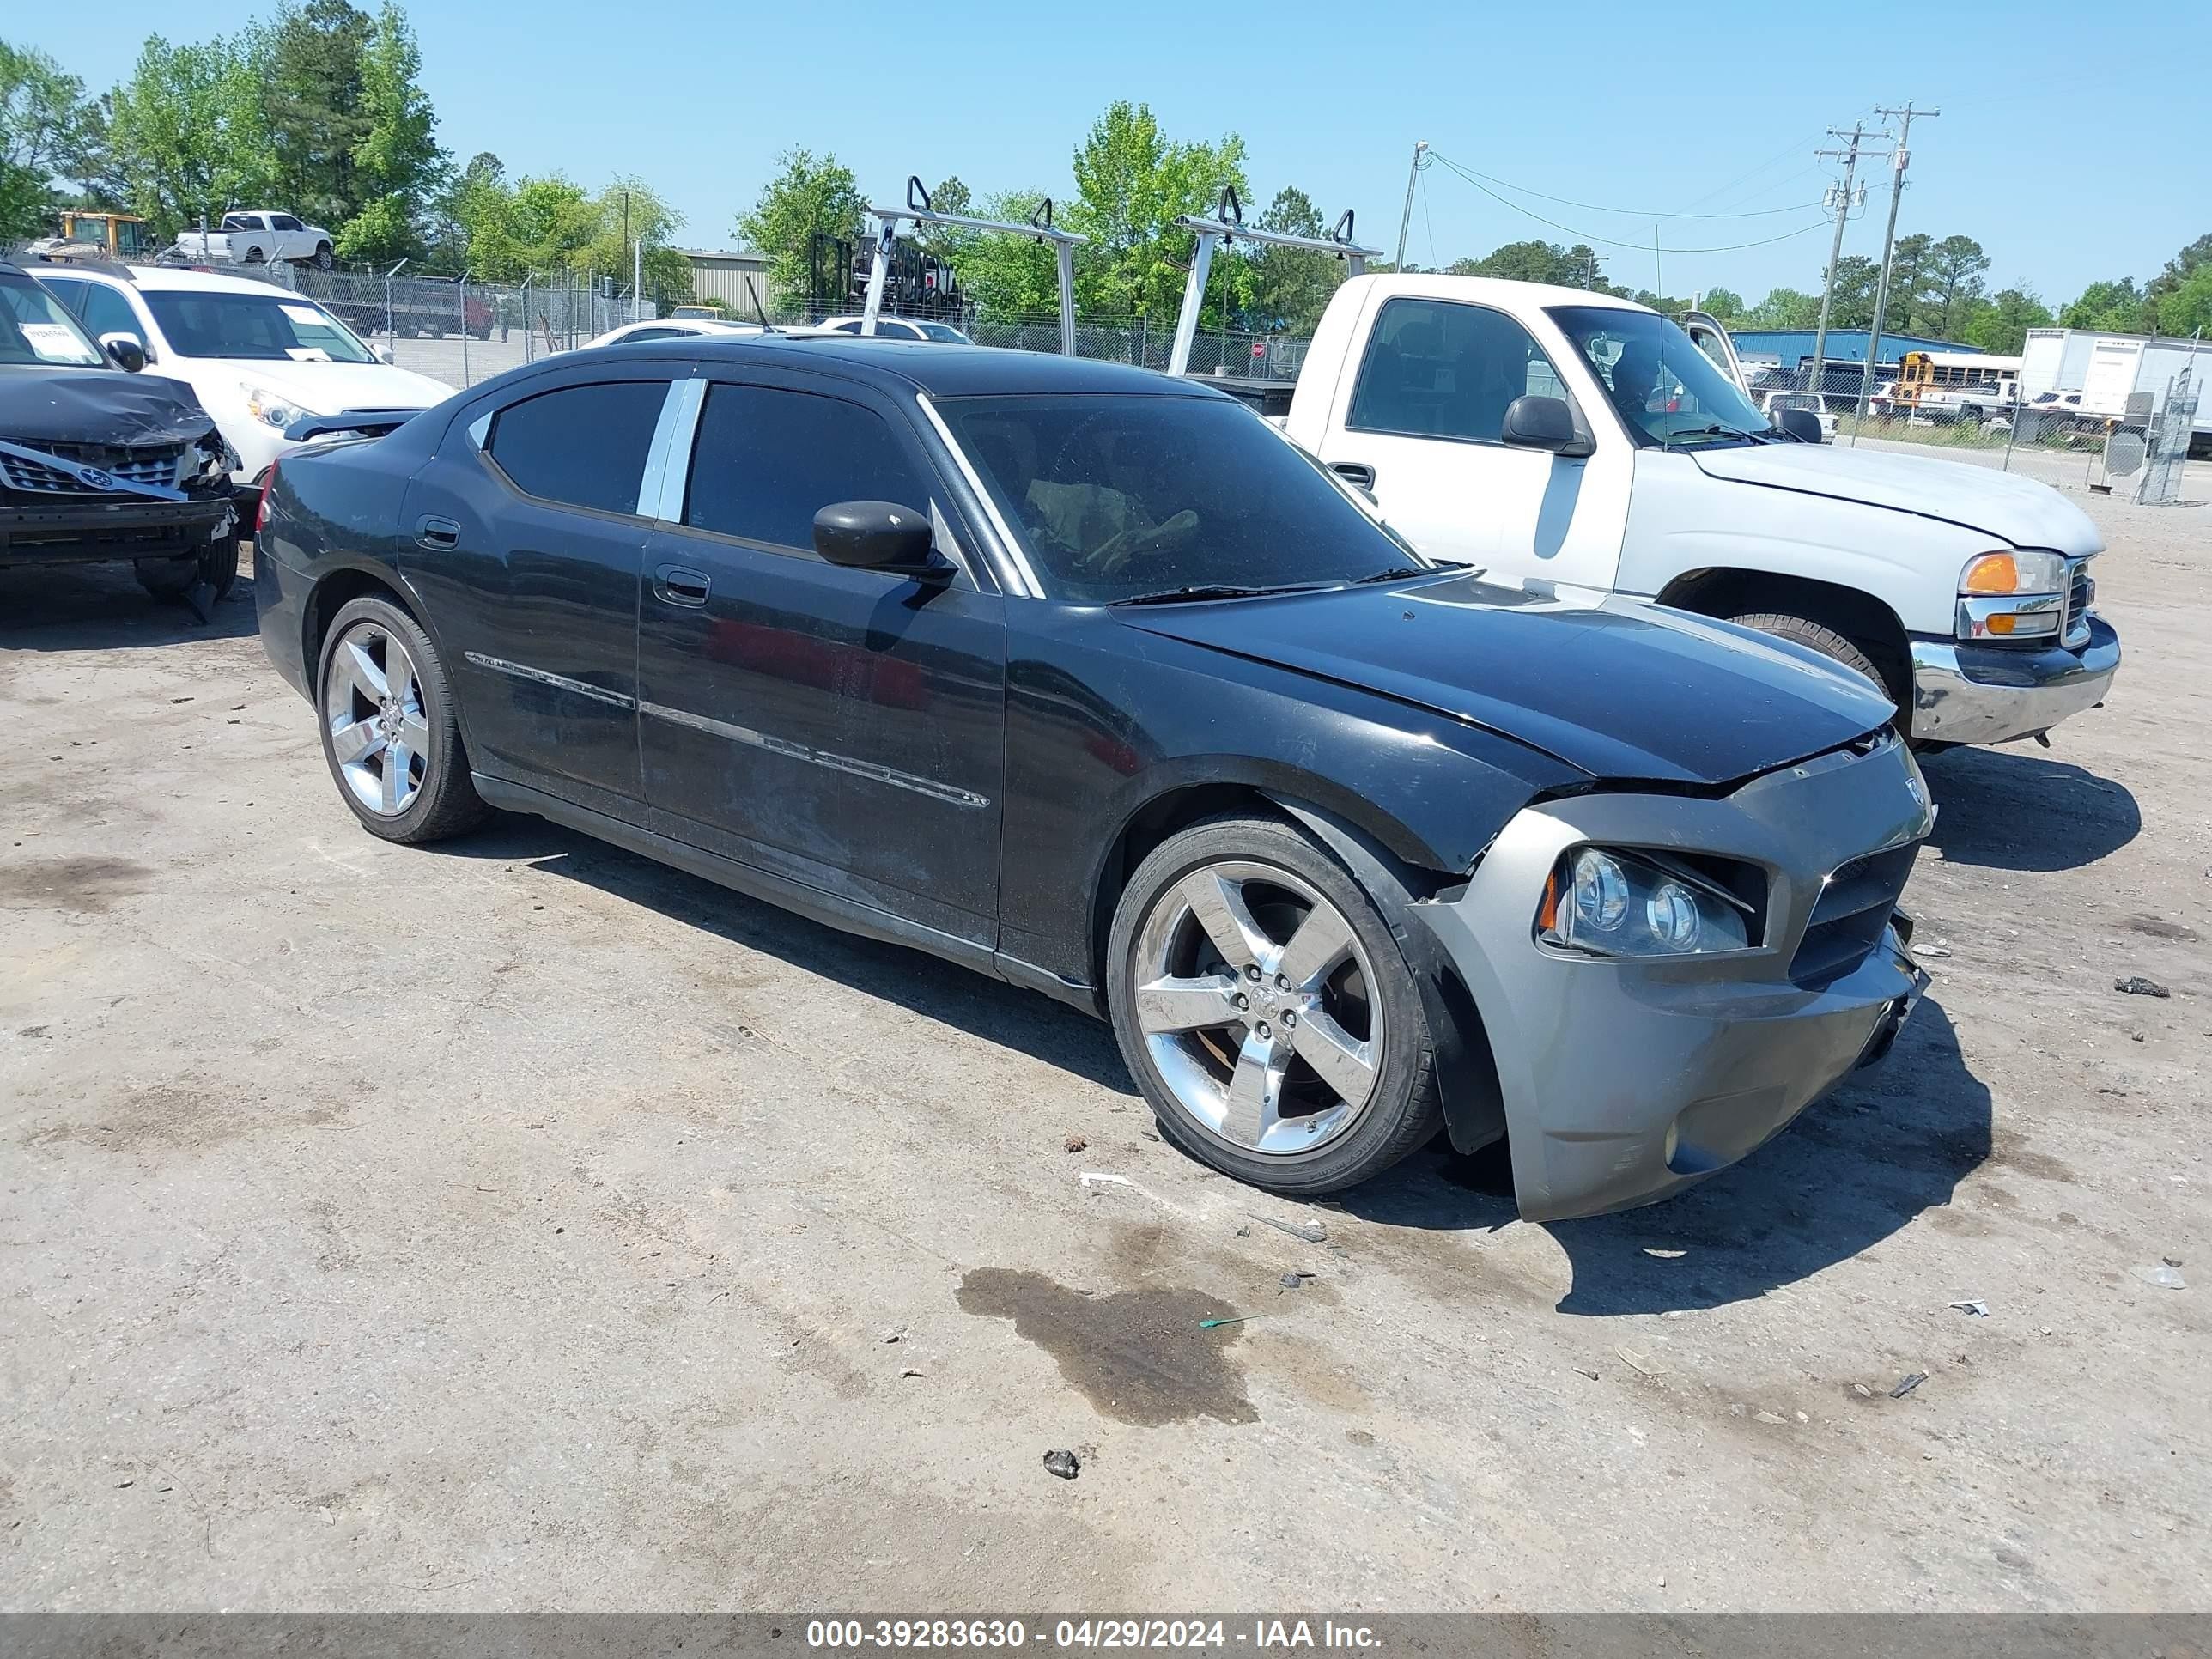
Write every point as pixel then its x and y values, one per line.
pixel 1122 498
pixel 581 446
pixel 1437 368
pixel 107 311
pixel 1666 390
pixel 768 460
pixel 35 327
pixel 273 327
pixel 285 221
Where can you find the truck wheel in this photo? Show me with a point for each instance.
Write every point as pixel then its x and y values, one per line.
pixel 1267 1013
pixel 322 256
pixel 389 730
pixel 167 579
pixel 254 255
pixel 1829 643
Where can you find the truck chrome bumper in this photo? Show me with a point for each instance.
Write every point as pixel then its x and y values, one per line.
pixel 1994 693
pixel 1624 1080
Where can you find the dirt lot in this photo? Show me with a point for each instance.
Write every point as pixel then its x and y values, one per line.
pixel 523 1226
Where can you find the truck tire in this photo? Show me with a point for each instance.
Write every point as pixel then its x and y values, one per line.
pixel 219 564
pixel 1803 630
pixel 254 255
pixel 1251 1052
pixel 322 256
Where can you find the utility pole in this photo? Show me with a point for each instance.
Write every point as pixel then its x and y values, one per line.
pixel 1406 219
pixel 1850 159
pixel 1900 158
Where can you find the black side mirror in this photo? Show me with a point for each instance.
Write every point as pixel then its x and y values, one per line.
pixel 1533 422
pixel 879 536
pixel 124 350
pixel 1802 424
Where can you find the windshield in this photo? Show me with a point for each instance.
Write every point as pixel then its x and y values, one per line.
pixel 36 328
pixel 1667 390
pixel 1119 497
pixel 198 323
pixel 943 333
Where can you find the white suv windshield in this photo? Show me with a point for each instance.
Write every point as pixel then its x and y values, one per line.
pixel 36 328
pixel 274 327
pixel 1667 390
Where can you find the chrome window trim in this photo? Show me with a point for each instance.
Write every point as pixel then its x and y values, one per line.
pixel 679 420
pixel 1015 554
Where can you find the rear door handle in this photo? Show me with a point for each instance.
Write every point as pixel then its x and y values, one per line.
pixel 675 585
pixel 439 535
pixel 1354 472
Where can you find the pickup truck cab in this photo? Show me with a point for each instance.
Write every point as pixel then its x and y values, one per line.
pixel 259 237
pixel 1565 440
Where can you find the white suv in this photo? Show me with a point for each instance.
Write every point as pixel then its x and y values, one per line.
pixel 257 356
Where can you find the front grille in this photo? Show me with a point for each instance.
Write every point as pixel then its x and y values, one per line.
pixel 1855 905
pixel 2081 593
pixel 154 463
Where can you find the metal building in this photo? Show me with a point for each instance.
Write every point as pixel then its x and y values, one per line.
pixel 1792 348
pixel 739 281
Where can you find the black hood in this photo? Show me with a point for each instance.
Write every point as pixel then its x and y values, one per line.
pixel 1621 690
pixel 97 406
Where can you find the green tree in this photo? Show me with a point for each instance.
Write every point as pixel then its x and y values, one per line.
pixel 1007 276
pixel 397 164
pixel 810 197
pixel 2000 323
pixel 93 163
pixel 1853 306
pixel 1528 262
pixel 1955 266
pixel 1785 307
pixel 1724 303
pixel 191 130
pixel 2186 307
pixel 1290 286
pixel 1908 284
pixel 315 99
pixel 2179 270
pixel 949 242
pixel 1133 183
pixel 2112 307
pixel 42 121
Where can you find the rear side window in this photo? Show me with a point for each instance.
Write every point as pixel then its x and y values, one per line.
pixel 583 446
pixel 1438 368
pixel 768 460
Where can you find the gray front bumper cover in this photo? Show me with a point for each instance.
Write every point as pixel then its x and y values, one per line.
pixel 1625 1080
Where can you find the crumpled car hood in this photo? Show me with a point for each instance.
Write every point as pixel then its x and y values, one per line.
pixel 2011 508
pixel 97 406
pixel 1622 690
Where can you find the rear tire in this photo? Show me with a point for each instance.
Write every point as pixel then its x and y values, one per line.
pixel 219 564
pixel 1327 1014
pixel 391 734
pixel 322 256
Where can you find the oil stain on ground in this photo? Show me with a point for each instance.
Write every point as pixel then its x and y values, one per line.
pixel 87 885
pixel 1138 1355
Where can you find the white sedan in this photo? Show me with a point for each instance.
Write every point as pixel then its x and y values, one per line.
pixel 901 328
pixel 670 328
pixel 1776 402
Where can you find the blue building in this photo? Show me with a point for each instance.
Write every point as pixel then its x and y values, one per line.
pixel 1792 348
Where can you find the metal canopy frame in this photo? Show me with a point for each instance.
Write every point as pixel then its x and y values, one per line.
pixel 1227 226
pixel 1039 229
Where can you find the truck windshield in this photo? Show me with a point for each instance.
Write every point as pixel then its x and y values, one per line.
pixel 202 323
pixel 1124 498
pixel 1666 390
pixel 37 328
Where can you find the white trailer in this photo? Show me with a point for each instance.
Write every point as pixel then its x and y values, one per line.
pixel 2114 372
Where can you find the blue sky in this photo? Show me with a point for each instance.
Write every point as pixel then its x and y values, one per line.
pixel 2063 146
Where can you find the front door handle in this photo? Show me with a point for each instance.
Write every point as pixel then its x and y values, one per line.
pixel 674 585
pixel 1354 472
pixel 439 535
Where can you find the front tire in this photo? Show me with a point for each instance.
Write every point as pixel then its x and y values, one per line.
pixel 1265 1012
pixel 167 579
pixel 389 733
pixel 1803 630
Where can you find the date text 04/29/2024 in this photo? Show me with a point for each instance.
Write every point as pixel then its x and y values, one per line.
pixel 1010 1635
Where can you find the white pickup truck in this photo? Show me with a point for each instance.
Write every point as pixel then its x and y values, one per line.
pixel 1565 439
pixel 259 238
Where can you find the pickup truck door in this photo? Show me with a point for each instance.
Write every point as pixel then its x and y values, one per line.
pixel 1416 423
pixel 843 728
pixel 1707 334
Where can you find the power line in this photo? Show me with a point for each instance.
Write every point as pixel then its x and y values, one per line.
pixel 1634 213
pixel 1615 242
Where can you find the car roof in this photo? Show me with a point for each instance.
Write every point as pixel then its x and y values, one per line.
pixel 941 369
pixel 177 277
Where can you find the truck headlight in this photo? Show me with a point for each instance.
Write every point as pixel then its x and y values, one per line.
pixel 2018 595
pixel 1615 903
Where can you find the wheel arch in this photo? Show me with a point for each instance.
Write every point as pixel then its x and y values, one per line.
pixel 1724 591
pixel 336 588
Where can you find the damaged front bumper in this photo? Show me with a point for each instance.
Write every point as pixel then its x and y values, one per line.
pixel 1995 693
pixel 1624 1080
pixel 91 531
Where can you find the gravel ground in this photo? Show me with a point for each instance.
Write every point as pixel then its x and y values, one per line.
pixel 520 1225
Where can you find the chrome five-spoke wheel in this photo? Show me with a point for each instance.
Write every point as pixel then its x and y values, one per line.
pixel 1256 1005
pixel 373 705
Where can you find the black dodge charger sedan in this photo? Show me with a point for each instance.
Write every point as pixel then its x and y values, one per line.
pixel 1087 678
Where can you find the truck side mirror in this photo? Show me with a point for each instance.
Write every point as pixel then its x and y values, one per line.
pixel 126 351
pixel 1802 424
pixel 1533 422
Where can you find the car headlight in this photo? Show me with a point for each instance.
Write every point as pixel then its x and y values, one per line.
pixel 1613 903
pixel 270 407
pixel 2018 595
